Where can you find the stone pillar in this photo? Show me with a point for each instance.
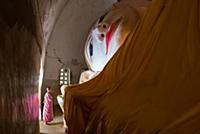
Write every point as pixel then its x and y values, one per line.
pixel 19 68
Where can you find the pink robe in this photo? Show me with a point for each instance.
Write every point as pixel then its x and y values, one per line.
pixel 48 108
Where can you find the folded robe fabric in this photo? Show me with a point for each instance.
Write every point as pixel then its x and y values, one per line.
pixel 152 84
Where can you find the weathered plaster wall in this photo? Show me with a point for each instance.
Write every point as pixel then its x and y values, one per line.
pixel 48 12
pixel 68 38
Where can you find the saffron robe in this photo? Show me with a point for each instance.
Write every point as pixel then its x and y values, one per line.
pixel 152 84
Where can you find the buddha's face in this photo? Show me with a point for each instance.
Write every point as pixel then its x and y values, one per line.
pixel 110 33
pixel 105 31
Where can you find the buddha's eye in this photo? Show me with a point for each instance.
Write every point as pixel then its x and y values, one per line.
pixel 91 49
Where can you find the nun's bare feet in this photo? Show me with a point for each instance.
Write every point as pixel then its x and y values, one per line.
pixel 46 123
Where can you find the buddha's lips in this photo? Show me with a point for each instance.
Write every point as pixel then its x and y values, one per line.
pixel 110 34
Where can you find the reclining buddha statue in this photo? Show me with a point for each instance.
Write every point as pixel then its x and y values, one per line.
pixel 108 35
pixel 150 84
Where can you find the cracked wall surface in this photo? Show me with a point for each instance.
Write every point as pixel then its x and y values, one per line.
pixel 68 39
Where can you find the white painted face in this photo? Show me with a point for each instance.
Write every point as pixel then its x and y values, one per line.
pixel 109 34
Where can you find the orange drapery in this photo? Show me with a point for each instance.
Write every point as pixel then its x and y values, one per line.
pixel 151 85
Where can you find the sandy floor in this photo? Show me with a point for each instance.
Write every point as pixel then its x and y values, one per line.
pixel 54 127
